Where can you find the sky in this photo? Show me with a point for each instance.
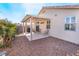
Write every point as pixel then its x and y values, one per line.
pixel 15 12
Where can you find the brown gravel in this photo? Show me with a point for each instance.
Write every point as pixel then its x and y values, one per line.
pixel 49 46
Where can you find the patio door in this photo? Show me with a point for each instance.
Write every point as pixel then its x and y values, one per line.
pixel 28 29
pixel 37 28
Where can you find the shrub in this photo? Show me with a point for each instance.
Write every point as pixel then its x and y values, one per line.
pixel 7 31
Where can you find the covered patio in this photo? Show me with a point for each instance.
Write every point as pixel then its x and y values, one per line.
pixel 35 27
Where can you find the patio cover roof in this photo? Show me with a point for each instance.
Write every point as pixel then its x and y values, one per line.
pixel 31 16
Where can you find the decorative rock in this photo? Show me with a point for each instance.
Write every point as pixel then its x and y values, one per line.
pixel 3 53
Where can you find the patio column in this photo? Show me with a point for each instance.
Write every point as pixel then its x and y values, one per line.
pixel 30 29
pixel 23 28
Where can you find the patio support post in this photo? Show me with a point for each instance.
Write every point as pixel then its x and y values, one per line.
pixel 30 29
pixel 23 27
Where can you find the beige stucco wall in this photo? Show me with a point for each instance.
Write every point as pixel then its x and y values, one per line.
pixel 57 18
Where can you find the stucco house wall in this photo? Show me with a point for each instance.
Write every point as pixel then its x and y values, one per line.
pixel 57 19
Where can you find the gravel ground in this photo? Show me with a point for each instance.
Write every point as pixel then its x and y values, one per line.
pixel 49 46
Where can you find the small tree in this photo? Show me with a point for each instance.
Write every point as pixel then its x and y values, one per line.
pixel 8 31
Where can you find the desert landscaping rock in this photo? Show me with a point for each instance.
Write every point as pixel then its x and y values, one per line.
pixel 49 46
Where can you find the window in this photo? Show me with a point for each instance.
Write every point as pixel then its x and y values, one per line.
pixel 70 23
pixel 48 24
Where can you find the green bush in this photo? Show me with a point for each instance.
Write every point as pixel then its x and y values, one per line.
pixel 2 46
pixel 7 31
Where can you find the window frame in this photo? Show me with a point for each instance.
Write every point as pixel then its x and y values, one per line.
pixel 48 24
pixel 70 22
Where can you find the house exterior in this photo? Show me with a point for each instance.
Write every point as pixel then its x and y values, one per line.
pixel 64 22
